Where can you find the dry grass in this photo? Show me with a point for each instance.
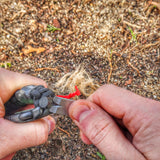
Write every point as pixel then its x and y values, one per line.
pixel 79 78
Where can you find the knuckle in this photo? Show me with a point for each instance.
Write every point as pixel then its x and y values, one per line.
pixel 80 102
pixel 44 134
pixel 108 86
pixel 77 103
pixel 99 132
pixel 100 91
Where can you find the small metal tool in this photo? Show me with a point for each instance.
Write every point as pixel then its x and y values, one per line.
pixel 44 100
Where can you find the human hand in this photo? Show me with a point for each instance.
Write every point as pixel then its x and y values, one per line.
pixel 100 116
pixel 14 136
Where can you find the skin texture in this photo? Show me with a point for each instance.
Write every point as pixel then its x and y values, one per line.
pixel 120 123
pixel 14 136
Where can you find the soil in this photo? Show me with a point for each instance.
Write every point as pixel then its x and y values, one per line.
pixel 116 41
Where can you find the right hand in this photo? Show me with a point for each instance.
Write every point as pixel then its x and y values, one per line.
pixel 100 116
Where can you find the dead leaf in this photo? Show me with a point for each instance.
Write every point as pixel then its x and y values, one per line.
pixel 69 32
pixel 3 57
pixel 31 49
pixel 129 81
pixel 56 23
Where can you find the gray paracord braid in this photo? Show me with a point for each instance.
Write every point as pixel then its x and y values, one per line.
pixel 37 95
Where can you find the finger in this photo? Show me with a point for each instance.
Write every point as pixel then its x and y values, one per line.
pixel 120 124
pixel 102 131
pixel 2 109
pixel 16 136
pixel 84 138
pixel 9 157
pixel 132 109
pixel 12 81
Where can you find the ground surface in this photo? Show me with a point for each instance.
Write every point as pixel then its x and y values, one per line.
pixel 116 41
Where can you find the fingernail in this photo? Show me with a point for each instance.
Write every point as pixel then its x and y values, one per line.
pixel 51 124
pixel 80 112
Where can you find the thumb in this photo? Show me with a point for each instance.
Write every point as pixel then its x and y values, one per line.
pixel 102 131
pixel 14 136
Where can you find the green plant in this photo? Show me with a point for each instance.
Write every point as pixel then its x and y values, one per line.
pixel 2 65
pixel 9 64
pixel 134 36
pixel 51 28
pixel 101 156
pixel 5 65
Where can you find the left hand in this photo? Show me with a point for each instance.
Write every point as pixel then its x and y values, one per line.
pixel 16 136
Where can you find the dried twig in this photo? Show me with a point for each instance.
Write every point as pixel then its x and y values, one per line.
pixel 129 63
pixel 32 42
pixel 73 52
pixel 110 64
pixel 150 9
pixel 125 47
pixel 47 68
pixel 87 1
pixel 155 4
pixel 151 5
pixel 151 44
pixel 132 25
pixel 75 1
pixel 64 131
